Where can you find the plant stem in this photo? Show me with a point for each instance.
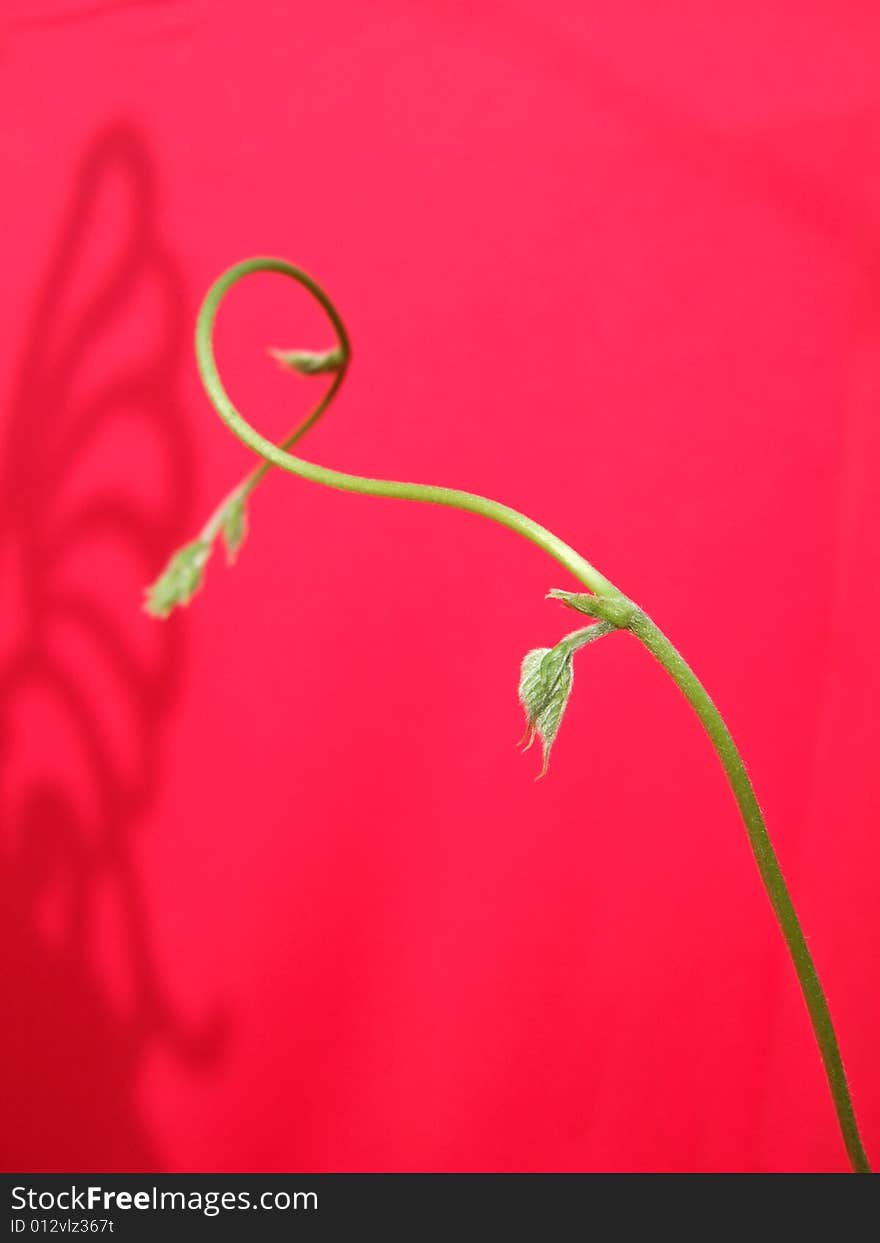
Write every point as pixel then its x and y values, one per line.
pixel 771 874
pixel 610 605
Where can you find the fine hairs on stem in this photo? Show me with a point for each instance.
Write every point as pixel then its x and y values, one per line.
pixel 546 675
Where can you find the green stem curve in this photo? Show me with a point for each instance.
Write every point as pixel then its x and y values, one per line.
pixel 212 527
pixel 612 605
pixel 452 497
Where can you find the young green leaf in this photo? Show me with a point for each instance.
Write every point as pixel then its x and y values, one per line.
pixel 545 684
pixel 544 687
pixel 180 579
pixel 235 526
pixel 308 362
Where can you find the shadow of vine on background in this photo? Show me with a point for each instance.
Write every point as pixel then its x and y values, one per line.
pixel 95 479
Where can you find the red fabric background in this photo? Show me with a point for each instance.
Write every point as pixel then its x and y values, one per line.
pixel 278 892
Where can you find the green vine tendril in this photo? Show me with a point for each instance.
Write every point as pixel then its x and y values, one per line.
pixel 546 676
